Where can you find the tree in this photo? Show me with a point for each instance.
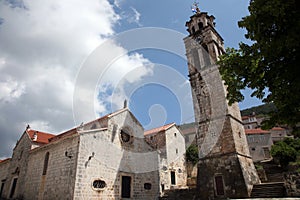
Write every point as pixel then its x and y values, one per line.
pixel 270 62
pixel 286 151
pixel 192 154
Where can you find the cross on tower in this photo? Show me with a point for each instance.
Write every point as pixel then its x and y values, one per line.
pixel 195 7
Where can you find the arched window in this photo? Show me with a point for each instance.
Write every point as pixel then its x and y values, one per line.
pixel 126 135
pixel 193 30
pixel 46 160
pixel 200 24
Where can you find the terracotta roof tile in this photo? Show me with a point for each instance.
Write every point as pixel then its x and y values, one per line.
pixel 64 134
pixel 159 129
pixel 277 129
pixel 6 159
pixel 245 117
pixel 42 137
pixel 256 131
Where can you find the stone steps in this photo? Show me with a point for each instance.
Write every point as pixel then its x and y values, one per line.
pixel 275 189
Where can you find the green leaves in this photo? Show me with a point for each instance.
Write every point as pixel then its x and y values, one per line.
pixel 286 151
pixel 192 154
pixel 270 62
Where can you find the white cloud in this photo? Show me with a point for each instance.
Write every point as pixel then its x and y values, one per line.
pixel 134 17
pixel 10 90
pixel 42 48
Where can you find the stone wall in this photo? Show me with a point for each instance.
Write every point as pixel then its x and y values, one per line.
pixel 175 147
pixel 232 180
pixel 292 184
pixel 59 179
pixel 18 168
pixel 225 168
pixel 257 143
pixel 104 155
pixel 4 165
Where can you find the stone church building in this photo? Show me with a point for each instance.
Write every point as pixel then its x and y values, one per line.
pixel 170 143
pixel 107 158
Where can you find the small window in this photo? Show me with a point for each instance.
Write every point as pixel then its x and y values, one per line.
pixel 162 187
pixel 13 187
pixel 266 152
pixel 147 186
pixel 200 24
pixel 46 160
pixel 193 30
pixel 176 151
pixel 99 184
pixel 151 137
pixel 175 134
pixel 253 149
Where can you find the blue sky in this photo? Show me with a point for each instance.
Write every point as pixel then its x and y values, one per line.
pixel 52 53
pixel 173 15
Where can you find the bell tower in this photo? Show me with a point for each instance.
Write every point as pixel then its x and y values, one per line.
pixel 225 167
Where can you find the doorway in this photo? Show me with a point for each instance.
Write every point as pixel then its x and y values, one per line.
pixel 126 187
pixel 173 179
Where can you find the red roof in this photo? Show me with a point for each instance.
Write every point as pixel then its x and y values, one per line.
pixel 256 131
pixel 245 117
pixel 277 129
pixel 64 134
pixel 159 129
pixel 41 136
pixel 6 159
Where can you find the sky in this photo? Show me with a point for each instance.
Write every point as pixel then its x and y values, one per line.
pixel 64 62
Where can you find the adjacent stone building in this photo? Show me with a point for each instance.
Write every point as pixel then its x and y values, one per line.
pixel 225 168
pixel 107 158
pixel 189 133
pixel 169 142
pixel 260 143
pixel 250 122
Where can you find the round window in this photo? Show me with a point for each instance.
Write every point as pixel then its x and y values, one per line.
pixel 125 137
pixel 99 184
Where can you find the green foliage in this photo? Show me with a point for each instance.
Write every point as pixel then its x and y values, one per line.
pixel 270 62
pixel 192 154
pixel 259 167
pixel 264 109
pixel 286 151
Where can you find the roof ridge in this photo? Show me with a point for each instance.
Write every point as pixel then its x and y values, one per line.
pixel 159 129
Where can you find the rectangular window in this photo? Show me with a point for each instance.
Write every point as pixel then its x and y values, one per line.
pixel 126 187
pixel 219 185
pixel 13 187
pixel 46 160
pixel 173 179
pixel 266 152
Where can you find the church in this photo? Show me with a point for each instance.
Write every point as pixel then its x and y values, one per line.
pixel 107 158
pixel 113 158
